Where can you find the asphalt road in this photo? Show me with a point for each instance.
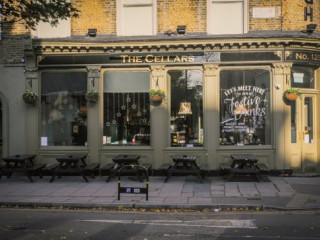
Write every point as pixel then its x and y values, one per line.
pixel 49 224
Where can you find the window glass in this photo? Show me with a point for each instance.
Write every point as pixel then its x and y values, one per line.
pixel 302 77
pixel 126 108
pixel 63 109
pixel 293 122
pixel 245 107
pixel 136 17
pixel 186 120
pixel 308 126
pixel 219 20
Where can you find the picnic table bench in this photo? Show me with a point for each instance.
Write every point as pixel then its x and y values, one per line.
pixel 182 164
pixel 112 169
pixel 23 164
pixel 72 165
pixel 244 165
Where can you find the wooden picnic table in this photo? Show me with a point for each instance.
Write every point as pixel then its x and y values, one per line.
pixel 130 161
pixel 185 165
pixel 21 163
pixel 244 165
pixel 70 164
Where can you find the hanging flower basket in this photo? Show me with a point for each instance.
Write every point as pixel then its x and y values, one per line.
pixel 292 94
pixel 30 97
pixel 92 96
pixel 157 96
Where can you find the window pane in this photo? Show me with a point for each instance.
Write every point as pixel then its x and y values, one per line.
pixel 186 108
pixel 222 23
pixel 308 114
pixel 293 122
pixel 302 77
pixel 126 108
pixel 63 109
pixel 245 107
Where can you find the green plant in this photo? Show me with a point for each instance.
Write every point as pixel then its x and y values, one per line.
pixel 92 96
pixel 293 91
pixel 30 97
pixel 159 92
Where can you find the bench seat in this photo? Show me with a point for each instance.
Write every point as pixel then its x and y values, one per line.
pixel 263 167
pixel 92 169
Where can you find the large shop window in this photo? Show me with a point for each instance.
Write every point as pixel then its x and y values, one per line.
pixel 186 108
pixel 302 77
pixel 126 108
pixel 63 109
pixel 245 107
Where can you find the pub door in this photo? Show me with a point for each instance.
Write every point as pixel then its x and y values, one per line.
pixel 303 147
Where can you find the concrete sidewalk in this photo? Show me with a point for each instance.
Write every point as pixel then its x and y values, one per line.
pixel 282 193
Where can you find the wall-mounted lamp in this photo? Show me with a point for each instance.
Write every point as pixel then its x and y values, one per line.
pixel 181 29
pixel 92 32
pixel 310 28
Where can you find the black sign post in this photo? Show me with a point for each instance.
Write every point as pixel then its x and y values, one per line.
pixel 135 190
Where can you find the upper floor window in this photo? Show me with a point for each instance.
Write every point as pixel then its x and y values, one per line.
pixel 136 17
pixel 227 16
pixel 45 30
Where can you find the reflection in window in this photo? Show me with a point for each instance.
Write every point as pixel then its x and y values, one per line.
pixel 302 77
pixel 186 108
pixel 126 108
pixel 308 114
pixel 245 107
pixel 63 109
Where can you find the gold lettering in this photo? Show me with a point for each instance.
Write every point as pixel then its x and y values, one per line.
pixel 191 58
pixel 301 56
pixel 131 59
pixel 139 59
pixel 177 59
pixel 149 58
pixel 184 59
pixel 124 57
pixel 157 59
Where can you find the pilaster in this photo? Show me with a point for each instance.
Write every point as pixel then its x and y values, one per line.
pixel 159 114
pixel 281 115
pixel 211 117
pixel 93 127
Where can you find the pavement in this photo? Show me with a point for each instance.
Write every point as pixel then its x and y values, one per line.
pixel 279 193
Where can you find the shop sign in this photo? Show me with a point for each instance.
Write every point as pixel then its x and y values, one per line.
pixel 303 56
pixel 165 58
pixel 308 10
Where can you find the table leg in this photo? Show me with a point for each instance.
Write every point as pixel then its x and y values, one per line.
pixel 84 177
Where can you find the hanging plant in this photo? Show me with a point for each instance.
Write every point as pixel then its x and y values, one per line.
pixel 292 93
pixel 30 97
pixel 157 96
pixel 92 96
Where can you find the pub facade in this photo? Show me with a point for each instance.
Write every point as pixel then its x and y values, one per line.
pixel 224 85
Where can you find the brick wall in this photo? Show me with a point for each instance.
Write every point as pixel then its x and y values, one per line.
pixel 14 38
pixel 274 23
pixel 99 14
pixel 191 13
pixel 293 14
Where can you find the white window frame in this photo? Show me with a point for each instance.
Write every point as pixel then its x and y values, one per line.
pixel 210 16
pixel 136 3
